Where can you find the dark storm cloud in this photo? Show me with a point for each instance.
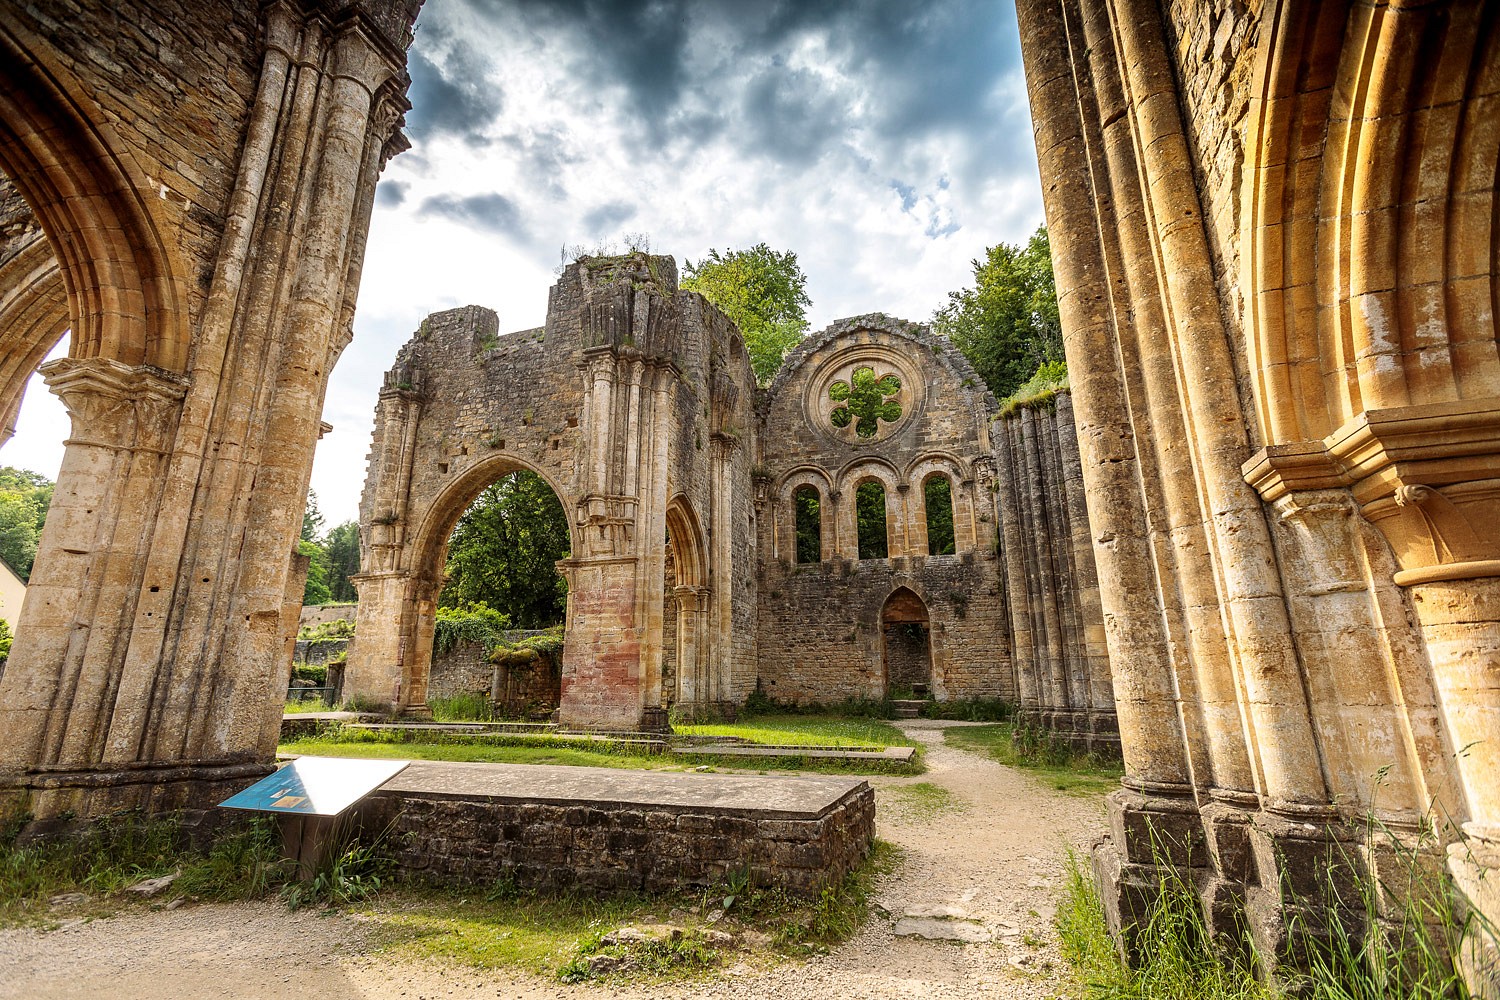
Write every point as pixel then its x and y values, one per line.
pixel 492 213
pixel 453 98
pixel 390 194
pixel 605 219
pixel 687 65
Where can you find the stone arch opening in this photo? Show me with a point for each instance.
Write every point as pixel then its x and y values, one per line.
pixel 937 512
pixel 807 514
pixel 425 583
pixel 906 645
pixel 871 524
pixel 685 615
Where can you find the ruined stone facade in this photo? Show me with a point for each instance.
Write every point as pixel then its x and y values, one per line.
pixel 634 403
pixel 718 543
pixel 836 622
pixel 201 177
pixel 1273 233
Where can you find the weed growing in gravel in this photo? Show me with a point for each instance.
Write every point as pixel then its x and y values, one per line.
pixel 923 801
pixel 1052 763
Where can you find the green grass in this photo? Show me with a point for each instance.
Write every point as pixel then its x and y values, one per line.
pixel 807 730
pixel 1075 774
pixel 243 862
pixel 485 753
pixel 495 926
pixel 304 706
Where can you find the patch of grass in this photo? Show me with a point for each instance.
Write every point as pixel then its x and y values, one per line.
pixel 497 926
pixel 1176 960
pixel 462 708
pixel 923 801
pixel 807 730
pixel 326 745
pixel 970 710
pixel 1074 773
pixel 243 862
pixel 304 705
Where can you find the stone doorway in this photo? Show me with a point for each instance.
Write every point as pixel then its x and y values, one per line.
pixel 906 645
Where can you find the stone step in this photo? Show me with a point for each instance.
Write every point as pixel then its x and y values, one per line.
pixel 908 708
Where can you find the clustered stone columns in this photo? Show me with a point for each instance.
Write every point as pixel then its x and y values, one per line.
pixel 1298 594
pixel 1057 624
pixel 150 651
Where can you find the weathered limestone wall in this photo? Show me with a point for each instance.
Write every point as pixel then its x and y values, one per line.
pixel 634 403
pixel 177 156
pixel 602 846
pixel 1272 233
pixel 1057 628
pixel 822 627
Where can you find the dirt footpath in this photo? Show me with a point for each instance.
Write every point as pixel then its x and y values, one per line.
pixel 985 868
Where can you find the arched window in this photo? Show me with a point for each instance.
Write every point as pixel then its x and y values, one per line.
pixel 937 502
pixel 809 511
pixel 869 512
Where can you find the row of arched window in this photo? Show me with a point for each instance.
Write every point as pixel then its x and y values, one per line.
pixel 871 528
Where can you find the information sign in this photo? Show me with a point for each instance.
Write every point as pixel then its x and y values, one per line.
pixel 316 786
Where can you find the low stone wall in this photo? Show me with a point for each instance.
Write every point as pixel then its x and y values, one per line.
pixel 466 669
pixel 470 837
pixel 322 614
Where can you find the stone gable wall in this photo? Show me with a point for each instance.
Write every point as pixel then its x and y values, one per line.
pixel 820 628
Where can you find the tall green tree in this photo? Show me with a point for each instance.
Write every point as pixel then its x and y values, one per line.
pixel 315 591
pixel 312 519
pixel 504 550
pixel 764 291
pixel 342 545
pixel 1007 324
pixel 24 499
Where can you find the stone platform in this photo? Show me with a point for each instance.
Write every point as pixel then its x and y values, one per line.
pixel 603 829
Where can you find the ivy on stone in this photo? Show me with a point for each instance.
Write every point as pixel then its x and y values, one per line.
pixel 865 402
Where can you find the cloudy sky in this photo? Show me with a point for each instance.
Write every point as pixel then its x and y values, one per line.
pixel 886 142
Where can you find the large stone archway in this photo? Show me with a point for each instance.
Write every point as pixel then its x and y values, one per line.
pixel 149 651
pixel 631 403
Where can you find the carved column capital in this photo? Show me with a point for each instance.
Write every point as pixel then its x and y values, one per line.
pixel 1428 476
pixel 117 406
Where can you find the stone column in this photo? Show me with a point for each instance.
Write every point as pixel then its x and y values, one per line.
pixel 59 686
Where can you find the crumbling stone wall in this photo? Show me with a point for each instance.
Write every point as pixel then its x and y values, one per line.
pixel 821 635
pixel 204 175
pixel 634 403
pixel 1272 229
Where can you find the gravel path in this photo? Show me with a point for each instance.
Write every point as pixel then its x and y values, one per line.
pixel 994 860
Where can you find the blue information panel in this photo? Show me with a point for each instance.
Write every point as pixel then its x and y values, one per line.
pixel 316 786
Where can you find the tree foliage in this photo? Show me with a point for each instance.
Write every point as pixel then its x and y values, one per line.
pixel 763 291
pixel 342 544
pixel 24 499
pixel 937 504
pixel 869 517
pixel 504 550
pixel 809 524
pixel 1007 324
pixel 315 591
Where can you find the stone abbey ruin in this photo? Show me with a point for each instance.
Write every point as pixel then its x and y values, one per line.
pixel 1254 544
pixel 715 539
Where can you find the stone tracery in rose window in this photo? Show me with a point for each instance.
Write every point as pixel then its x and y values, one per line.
pixel 864 401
